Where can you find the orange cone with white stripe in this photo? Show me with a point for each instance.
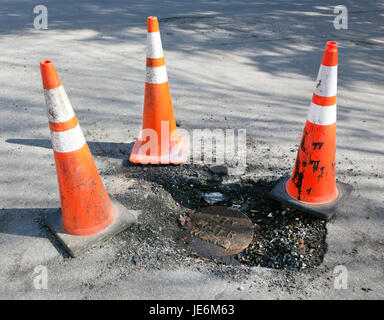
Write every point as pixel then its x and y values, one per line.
pixel 314 176
pixel 85 204
pixel 159 142
pixel 313 180
pixel 86 208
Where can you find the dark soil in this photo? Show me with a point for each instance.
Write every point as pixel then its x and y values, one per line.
pixel 284 238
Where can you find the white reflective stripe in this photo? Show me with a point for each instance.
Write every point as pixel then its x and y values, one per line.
pixel 326 83
pixel 156 75
pixel 154 47
pixel 67 141
pixel 322 115
pixel 59 108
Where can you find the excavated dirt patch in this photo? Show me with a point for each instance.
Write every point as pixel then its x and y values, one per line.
pixel 284 238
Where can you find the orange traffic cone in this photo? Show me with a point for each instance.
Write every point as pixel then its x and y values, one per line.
pixel 312 186
pixel 158 142
pixel 86 208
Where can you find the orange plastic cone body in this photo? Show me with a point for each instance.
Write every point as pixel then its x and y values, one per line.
pixel 85 204
pixel 313 179
pixel 161 144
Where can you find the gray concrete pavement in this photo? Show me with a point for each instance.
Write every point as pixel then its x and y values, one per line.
pixel 238 64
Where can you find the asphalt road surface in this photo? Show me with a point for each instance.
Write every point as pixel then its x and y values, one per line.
pixel 233 64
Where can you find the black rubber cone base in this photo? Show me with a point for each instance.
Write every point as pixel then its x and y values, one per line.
pixel 75 245
pixel 324 211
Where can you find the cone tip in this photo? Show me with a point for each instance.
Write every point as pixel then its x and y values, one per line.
pixel 330 54
pixel 49 75
pixel 332 44
pixel 153 24
pixel 46 62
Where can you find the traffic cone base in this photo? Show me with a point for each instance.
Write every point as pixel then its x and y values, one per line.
pixel 76 245
pixel 177 153
pixel 322 210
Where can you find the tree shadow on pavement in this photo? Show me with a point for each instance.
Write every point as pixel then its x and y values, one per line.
pixel 104 149
pixel 29 222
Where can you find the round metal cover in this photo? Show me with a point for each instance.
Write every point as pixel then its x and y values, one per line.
pixel 219 231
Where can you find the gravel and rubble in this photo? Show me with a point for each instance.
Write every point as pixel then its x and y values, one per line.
pixel 284 238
